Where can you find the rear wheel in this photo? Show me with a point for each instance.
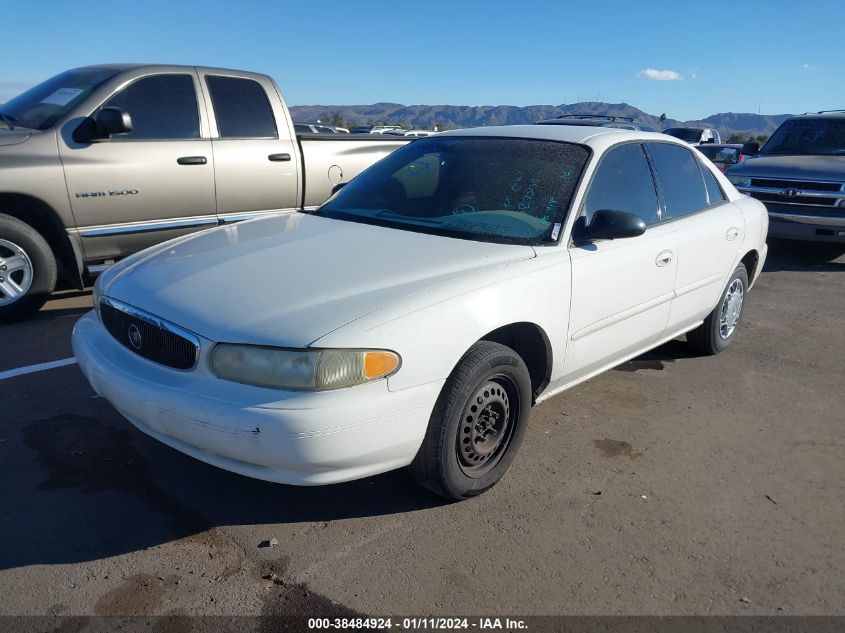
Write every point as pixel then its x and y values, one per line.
pixel 477 425
pixel 719 328
pixel 27 269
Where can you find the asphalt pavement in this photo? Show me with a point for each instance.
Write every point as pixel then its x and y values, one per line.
pixel 674 484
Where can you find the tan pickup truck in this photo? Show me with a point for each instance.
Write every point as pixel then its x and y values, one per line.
pixel 102 161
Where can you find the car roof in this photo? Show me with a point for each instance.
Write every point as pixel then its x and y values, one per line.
pixel 596 137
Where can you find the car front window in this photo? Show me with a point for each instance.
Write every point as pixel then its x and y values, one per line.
pixel 823 137
pixel 41 106
pixel 506 190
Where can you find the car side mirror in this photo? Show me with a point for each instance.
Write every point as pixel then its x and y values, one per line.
pixel 108 122
pixel 607 224
pixel 338 187
pixel 750 149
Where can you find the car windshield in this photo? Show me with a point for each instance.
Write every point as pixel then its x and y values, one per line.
pixel 506 190
pixel 822 136
pixel 688 134
pixel 41 106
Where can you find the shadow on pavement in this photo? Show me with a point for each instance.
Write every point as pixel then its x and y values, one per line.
pixel 795 255
pixel 659 356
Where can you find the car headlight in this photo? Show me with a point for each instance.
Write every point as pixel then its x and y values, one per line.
pixel 301 370
pixel 739 181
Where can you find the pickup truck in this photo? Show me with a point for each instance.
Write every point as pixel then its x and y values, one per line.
pixel 799 174
pixel 99 162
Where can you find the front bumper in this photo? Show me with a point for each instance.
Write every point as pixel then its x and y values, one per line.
pixel 303 438
pixel 799 226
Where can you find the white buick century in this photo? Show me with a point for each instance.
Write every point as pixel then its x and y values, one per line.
pixel 416 317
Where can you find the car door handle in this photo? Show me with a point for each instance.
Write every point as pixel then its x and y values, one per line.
pixel 664 258
pixel 279 158
pixel 192 160
pixel 731 234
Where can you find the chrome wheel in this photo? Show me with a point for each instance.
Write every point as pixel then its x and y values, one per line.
pixel 731 308
pixel 15 272
pixel 487 426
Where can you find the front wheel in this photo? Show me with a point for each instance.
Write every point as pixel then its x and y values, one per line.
pixel 27 269
pixel 720 326
pixel 477 425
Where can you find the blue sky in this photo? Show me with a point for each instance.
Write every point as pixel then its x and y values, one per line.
pixel 775 55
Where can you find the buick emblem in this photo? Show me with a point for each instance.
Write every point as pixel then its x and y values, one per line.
pixel 135 336
pixel 789 193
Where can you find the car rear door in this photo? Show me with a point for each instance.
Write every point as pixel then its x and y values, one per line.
pixel 621 289
pixel 710 230
pixel 156 182
pixel 256 167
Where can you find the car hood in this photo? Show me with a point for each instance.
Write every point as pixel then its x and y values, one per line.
pixel 290 279
pixel 791 166
pixel 13 137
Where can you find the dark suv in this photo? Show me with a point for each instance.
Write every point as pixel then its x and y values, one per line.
pixel 598 120
pixel 799 175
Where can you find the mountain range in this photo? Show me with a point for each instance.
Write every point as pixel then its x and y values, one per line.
pixel 451 116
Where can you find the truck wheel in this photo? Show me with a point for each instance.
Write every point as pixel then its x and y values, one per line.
pixel 719 328
pixel 477 424
pixel 27 269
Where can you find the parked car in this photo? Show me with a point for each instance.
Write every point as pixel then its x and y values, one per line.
pixel 415 317
pixel 99 162
pixel 381 129
pixel 799 174
pixel 419 133
pixel 695 135
pixel 723 155
pixel 313 128
pixel 360 129
pixel 598 120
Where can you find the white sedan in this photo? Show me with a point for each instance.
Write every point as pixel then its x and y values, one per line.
pixel 417 316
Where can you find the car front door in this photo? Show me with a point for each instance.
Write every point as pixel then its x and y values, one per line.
pixel 254 154
pixel 156 182
pixel 710 230
pixel 622 288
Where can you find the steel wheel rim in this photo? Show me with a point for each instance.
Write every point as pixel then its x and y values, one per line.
pixel 15 272
pixel 486 426
pixel 731 308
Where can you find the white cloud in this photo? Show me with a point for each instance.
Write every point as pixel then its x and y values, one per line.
pixel 660 75
pixel 808 67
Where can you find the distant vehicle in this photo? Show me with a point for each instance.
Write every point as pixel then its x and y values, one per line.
pixel 695 135
pixel 419 133
pixel 723 155
pixel 361 129
pixel 599 120
pixel 396 132
pixel 103 161
pixel 314 128
pixel 799 175
pixel 381 129
pixel 289 349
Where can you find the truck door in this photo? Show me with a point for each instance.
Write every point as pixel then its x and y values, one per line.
pixel 256 160
pixel 156 182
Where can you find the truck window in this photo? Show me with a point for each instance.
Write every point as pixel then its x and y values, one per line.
pixel 162 107
pixel 241 107
pixel 679 178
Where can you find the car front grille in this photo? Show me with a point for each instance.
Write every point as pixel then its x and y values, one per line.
pixel 806 185
pixel 765 196
pixel 806 193
pixel 149 336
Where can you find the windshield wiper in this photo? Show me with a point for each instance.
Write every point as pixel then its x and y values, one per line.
pixel 9 120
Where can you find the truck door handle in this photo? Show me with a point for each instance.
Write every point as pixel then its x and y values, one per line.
pixel 279 158
pixel 192 160
pixel 732 233
pixel 664 258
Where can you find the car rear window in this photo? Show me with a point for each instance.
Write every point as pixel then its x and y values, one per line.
pixel 679 178
pixel 241 108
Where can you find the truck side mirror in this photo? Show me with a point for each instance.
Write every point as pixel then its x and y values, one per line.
pixel 750 149
pixel 108 122
pixel 610 225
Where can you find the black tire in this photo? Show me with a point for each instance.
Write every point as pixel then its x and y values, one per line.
pixel 43 269
pixel 462 455
pixel 709 337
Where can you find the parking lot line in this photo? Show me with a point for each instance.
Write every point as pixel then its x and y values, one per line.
pixel 31 369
